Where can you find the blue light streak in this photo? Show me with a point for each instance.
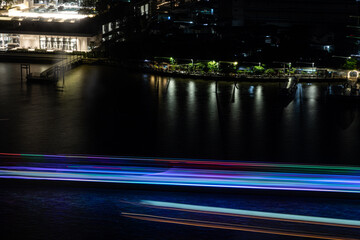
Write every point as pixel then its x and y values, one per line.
pixel 181 172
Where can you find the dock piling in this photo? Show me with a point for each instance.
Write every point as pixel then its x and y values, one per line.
pixel 26 67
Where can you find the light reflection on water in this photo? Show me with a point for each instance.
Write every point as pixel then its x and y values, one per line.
pixel 105 110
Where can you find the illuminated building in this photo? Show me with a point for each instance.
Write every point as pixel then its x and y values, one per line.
pixel 65 36
pixel 30 26
pixel 189 16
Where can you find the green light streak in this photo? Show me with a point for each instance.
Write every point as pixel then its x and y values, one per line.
pixel 253 213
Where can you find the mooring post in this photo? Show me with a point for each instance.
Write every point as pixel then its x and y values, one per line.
pixel 63 73
pixel 27 70
pixel 21 75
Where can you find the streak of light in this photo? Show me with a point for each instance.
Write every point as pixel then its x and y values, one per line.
pixel 228 226
pixel 200 162
pixel 181 172
pixel 191 177
pixel 254 214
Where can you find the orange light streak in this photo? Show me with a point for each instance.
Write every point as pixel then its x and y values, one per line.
pixel 248 216
pixel 227 226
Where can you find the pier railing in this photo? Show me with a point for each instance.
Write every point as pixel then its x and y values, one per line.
pixel 64 65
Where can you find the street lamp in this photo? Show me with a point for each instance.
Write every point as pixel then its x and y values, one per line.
pixel 289 68
pixel 192 64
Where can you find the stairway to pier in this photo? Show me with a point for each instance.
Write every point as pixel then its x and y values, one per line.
pixel 53 73
pixel 64 65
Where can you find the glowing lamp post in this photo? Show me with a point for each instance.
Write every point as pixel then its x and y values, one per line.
pixel 289 68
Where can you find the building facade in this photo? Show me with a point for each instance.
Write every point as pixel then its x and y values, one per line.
pixel 52 36
pixel 48 25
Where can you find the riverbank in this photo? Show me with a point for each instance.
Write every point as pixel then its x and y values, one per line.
pixel 241 78
pixel 138 66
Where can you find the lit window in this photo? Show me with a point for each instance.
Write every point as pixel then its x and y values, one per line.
pixel 142 9
pixel 147 9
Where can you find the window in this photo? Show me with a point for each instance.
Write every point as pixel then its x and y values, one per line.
pixel 73 44
pixel 147 9
pixel 42 42
pixel 60 43
pixel 142 10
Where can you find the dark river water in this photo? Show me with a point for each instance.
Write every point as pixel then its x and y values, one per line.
pixel 59 212
pixel 107 111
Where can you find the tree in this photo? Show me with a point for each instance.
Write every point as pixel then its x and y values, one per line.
pixel 228 67
pixel 258 69
pixel 270 72
pixel 172 60
pixel 350 64
pixel 199 66
pixel 213 66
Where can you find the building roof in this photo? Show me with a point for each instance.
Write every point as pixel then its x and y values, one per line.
pixel 83 27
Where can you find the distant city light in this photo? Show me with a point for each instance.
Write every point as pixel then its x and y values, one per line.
pixel 353 74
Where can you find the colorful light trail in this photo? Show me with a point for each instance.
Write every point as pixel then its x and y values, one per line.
pixel 228 226
pixel 181 172
pixel 226 218
pixel 253 214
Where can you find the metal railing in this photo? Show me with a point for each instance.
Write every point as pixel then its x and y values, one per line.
pixel 64 65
